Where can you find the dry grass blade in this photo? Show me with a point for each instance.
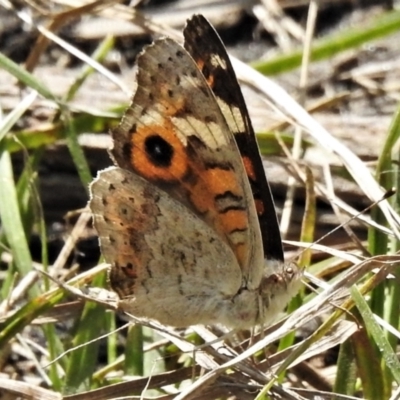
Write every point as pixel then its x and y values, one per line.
pixel 289 107
pixel 28 391
pixel 300 317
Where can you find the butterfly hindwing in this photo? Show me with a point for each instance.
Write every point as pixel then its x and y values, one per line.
pixel 158 271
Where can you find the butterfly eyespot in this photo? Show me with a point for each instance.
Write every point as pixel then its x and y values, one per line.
pixel 159 151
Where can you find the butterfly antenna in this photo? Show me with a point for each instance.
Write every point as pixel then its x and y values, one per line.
pixel 386 195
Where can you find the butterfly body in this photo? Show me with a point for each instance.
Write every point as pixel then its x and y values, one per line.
pixel 180 216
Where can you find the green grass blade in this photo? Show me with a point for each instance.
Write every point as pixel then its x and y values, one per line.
pixel 384 25
pixel 387 353
pixel 369 365
pixel 26 314
pixel 16 113
pixel 11 218
pixel 83 360
pixel 99 55
pixel 76 150
pixel 25 77
pixel 14 203
pixel 134 356
pixel 346 370
pixel 385 298
pixel 378 241
pixel 54 348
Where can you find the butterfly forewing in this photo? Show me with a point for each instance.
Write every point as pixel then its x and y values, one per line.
pixel 208 51
pixel 175 136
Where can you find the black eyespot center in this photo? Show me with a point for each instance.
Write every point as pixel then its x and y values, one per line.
pixel 159 151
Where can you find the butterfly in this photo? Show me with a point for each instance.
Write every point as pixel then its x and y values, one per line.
pixel 186 217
